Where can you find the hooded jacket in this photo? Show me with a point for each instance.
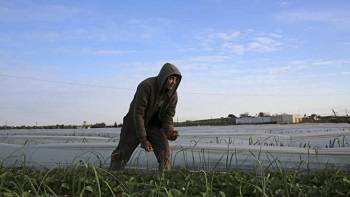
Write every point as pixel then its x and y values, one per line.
pixel 152 100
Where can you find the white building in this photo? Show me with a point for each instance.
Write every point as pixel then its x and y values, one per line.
pixel 255 120
pixel 287 119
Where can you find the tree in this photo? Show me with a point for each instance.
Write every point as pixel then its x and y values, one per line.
pixel 99 125
pixel 261 114
pixel 246 114
pixel 231 116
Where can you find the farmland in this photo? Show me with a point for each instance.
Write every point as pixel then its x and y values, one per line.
pixel 259 160
pixel 304 146
pixel 86 180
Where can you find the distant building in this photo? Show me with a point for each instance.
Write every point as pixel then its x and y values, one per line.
pixel 287 119
pixel 279 119
pixel 255 120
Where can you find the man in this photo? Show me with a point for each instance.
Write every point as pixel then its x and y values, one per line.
pixel 149 121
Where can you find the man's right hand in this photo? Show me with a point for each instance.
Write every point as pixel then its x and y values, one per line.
pixel 146 144
pixel 172 134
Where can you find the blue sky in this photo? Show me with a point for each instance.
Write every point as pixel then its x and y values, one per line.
pixel 69 61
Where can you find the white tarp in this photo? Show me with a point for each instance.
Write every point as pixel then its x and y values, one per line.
pixel 244 147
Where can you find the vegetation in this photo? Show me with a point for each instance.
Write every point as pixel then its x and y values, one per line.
pixel 212 122
pixel 313 118
pixel 86 180
pixel 62 126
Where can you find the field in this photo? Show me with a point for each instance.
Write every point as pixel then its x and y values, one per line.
pixel 86 180
pixel 242 160
pixel 301 146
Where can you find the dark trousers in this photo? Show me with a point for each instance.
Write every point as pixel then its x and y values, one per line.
pixel 129 142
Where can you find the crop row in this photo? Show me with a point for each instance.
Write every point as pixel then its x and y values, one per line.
pixel 84 179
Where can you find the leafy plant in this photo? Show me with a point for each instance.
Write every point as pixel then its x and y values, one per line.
pixel 84 179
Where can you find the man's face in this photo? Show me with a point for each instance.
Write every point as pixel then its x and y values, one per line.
pixel 171 82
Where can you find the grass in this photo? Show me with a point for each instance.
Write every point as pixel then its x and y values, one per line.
pixel 84 179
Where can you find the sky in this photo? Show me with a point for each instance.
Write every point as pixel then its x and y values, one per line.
pixel 65 62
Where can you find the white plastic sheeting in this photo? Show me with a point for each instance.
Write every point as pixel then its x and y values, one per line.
pixel 307 146
pixel 186 156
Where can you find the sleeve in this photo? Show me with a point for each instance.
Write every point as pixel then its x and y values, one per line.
pixel 140 105
pixel 167 120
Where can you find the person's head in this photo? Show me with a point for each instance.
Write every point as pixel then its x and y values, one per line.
pixel 171 81
pixel 169 77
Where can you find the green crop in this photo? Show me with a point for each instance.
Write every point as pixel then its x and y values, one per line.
pixel 84 179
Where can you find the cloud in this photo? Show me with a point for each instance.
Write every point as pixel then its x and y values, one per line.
pixel 330 16
pixel 211 76
pixel 111 52
pixel 238 49
pixel 285 3
pixel 308 64
pixel 264 44
pixel 149 21
pixel 259 44
pixel 148 28
pixel 241 43
pixel 209 40
pixel 221 69
pixel 229 36
pixel 30 11
pixel 209 58
pixel 60 22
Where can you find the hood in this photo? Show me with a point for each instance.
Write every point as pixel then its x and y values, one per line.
pixel 167 70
